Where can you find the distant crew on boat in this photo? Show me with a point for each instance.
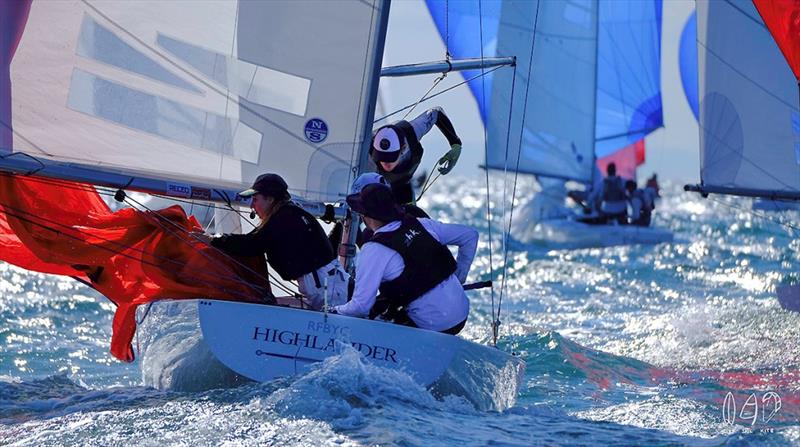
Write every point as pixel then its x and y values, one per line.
pixel 612 198
pixel 408 262
pixel 294 242
pixel 397 151
pixel 642 204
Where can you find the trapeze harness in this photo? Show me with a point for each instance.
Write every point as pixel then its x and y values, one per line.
pixel 428 263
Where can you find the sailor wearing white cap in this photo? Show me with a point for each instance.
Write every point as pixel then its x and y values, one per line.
pixel 397 152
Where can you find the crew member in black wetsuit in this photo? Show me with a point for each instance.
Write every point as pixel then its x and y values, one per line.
pixel 293 240
pixel 397 152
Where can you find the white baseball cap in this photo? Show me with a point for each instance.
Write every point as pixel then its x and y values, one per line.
pixel 386 145
pixel 367 178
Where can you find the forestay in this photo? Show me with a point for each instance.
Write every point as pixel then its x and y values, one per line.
pixel 749 119
pixel 210 93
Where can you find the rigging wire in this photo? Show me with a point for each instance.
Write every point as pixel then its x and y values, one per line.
pixel 507 230
pixel 780 222
pixel 424 97
pixel 483 73
pixel 486 156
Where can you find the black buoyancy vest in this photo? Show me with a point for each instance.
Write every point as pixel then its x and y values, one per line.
pixel 400 177
pixel 296 242
pixel 613 189
pixel 427 262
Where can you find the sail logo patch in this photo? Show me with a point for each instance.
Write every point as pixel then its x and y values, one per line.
pixel 316 130
pixel 179 190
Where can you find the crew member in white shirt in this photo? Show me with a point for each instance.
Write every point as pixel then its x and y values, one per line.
pixel 407 259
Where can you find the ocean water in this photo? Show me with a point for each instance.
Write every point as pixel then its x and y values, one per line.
pixel 636 345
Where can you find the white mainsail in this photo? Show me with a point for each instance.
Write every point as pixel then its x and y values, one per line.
pixel 749 120
pixel 554 92
pixel 209 93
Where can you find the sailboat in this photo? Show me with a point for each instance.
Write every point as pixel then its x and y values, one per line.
pixel 689 73
pixel 585 87
pixel 749 116
pixel 192 101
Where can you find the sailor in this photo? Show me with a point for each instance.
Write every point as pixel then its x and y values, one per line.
pixel 641 204
pixel 397 152
pixel 614 203
pixel 652 186
pixel 408 261
pixel 369 178
pixel 294 242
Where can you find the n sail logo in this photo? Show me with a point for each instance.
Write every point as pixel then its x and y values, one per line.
pixel 316 130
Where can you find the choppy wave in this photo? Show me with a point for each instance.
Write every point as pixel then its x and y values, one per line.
pixel 624 345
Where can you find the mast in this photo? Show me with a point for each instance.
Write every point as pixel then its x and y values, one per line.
pixel 347 249
pixel 348 246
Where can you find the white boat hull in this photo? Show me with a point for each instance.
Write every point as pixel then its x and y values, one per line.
pixel 195 344
pixel 569 233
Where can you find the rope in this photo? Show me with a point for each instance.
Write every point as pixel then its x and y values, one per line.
pixel 20 215
pixel 178 231
pixel 447 30
pixel 110 192
pixel 121 247
pixel 428 183
pixel 107 192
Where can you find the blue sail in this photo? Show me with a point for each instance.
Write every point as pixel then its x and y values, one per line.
pixel 628 73
pixel 587 81
pixel 469 29
pixel 687 59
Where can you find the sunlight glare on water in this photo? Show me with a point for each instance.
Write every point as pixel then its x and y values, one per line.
pixel 638 345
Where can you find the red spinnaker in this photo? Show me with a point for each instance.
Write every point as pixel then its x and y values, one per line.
pixel 782 17
pixel 131 257
pixel 626 159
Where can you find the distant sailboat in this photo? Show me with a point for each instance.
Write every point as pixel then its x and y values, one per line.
pixel 749 116
pixel 689 77
pixel 586 86
pixel 193 101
